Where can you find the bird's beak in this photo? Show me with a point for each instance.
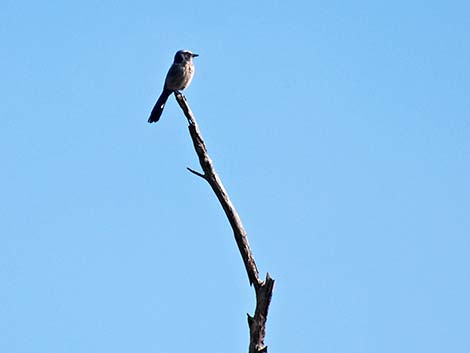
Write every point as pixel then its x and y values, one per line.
pixel 194 55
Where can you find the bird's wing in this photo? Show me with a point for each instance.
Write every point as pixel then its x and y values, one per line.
pixel 175 77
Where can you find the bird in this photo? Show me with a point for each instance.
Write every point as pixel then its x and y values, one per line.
pixel 179 77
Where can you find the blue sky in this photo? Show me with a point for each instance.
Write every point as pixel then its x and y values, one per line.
pixel 341 132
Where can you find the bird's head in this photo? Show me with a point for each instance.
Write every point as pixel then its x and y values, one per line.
pixel 184 56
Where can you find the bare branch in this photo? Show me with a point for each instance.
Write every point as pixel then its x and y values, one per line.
pixel 196 172
pixel 263 289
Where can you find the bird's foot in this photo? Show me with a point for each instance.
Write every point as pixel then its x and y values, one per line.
pixel 178 93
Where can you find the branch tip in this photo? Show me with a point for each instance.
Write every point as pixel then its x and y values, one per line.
pixel 250 319
pixel 203 176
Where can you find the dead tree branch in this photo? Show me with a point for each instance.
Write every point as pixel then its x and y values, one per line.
pixel 263 289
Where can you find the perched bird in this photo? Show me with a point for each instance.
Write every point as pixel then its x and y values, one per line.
pixel 178 78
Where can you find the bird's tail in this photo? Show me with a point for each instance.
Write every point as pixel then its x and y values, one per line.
pixel 158 108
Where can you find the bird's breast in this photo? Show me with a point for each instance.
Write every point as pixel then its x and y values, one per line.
pixel 179 76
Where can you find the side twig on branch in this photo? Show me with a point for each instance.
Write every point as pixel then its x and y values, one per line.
pixel 263 289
